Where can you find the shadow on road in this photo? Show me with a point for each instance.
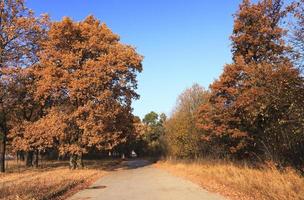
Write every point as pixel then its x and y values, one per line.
pixel 133 164
pixel 129 164
pixel 97 187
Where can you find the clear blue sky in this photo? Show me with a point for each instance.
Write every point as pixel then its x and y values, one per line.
pixel 182 41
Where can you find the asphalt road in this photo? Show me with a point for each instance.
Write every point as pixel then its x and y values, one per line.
pixel 140 181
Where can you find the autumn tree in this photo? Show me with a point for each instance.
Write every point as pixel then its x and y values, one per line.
pixel 34 132
pixel 183 138
pixel 255 108
pixel 139 142
pixel 297 35
pixel 151 137
pixel 20 34
pixel 257 34
pixel 136 140
pixel 90 76
pixel 25 109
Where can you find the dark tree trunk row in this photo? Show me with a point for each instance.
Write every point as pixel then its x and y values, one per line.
pixel 20 155
pixel 32 158
pixel 29 158
pixel 36 158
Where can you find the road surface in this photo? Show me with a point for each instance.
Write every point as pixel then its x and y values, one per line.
pixel 140 181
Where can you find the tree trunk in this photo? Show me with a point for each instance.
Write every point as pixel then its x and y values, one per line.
pixel 36 158
pixel 29 159
pixel 2 153
pixel 80 161
pixel 76 161
pixel 73 161
pixel 21 155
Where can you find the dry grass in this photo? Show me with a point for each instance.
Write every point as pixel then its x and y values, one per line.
pixel 53 181
pixel 240 182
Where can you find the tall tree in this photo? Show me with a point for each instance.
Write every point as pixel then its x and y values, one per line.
pixel 183 138
pixel 151 118
pixel 257 35
pixel 151 135
pixel 88 74
pixel 297 35
pixel 25 109
pixel 20 34
pixel 259 94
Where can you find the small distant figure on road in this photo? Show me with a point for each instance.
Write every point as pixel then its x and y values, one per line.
pixel 133 154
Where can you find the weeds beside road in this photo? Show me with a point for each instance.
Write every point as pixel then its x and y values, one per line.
pixel 240 181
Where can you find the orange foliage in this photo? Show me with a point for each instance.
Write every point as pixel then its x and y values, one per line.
pixel 85 72
pixel 21 33
pixel 256 106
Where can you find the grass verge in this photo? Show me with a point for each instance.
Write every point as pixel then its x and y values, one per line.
pixel 53 181
pixel 240 182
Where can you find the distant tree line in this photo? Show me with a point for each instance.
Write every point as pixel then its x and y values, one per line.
pixel 255 110
pixel 65 86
